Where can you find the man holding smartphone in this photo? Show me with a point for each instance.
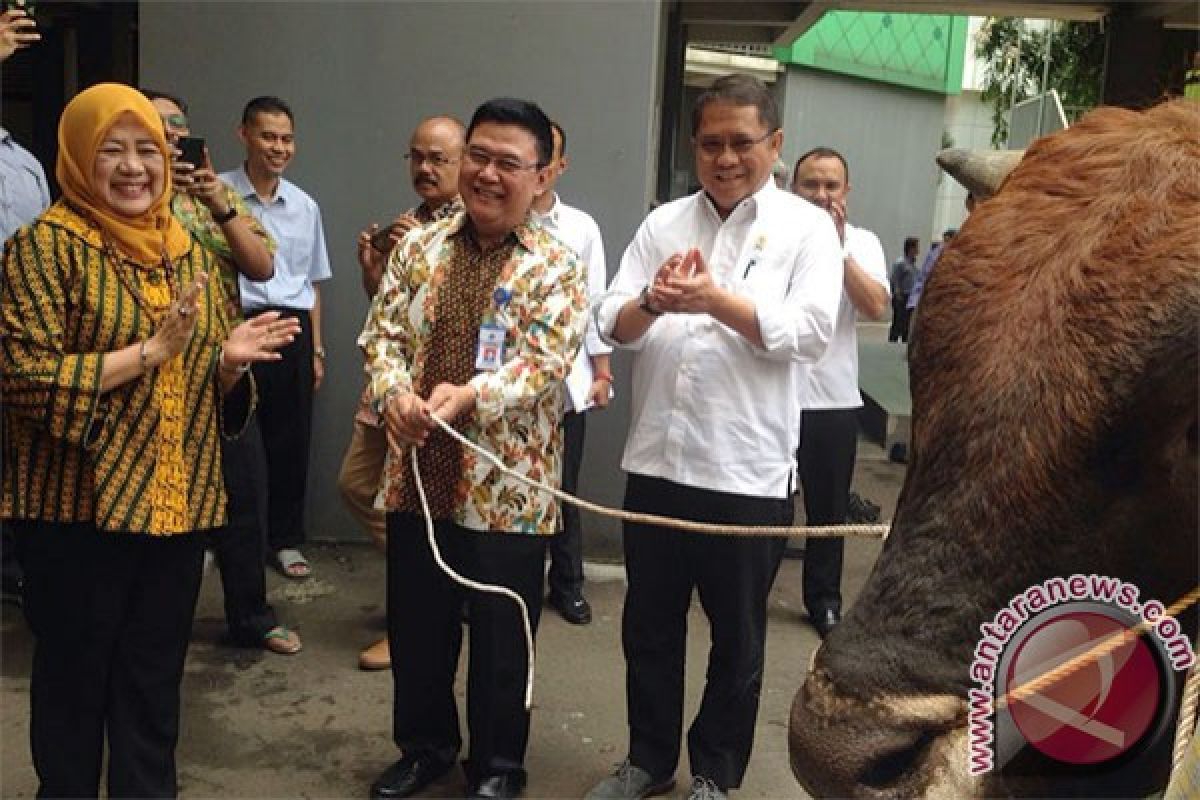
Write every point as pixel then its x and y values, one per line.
pixel 18 29
pixel 434 156
pixel 216 216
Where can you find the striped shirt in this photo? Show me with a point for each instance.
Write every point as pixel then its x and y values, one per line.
pixel 73 454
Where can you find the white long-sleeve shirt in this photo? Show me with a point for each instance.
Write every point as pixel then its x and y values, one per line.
pixel 577 230
pixel 709 409
pixel 833 381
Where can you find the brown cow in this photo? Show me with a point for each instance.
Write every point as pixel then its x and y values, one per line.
pixel 1054 431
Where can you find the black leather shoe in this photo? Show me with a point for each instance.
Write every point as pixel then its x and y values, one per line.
pixel 408 776
pixel 501 787
pixel 573 607
pixel 825 620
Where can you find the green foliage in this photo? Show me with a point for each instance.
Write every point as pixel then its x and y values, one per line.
pixel 1076 66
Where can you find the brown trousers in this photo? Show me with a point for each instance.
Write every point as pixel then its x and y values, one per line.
pixel 362 472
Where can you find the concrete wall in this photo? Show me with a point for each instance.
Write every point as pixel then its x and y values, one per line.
pixel 969 123
pixel 359 76
pixel 888 134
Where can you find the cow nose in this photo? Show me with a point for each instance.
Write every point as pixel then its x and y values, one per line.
pixel 842 748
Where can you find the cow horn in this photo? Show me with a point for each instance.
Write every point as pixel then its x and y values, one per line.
pixel 980 171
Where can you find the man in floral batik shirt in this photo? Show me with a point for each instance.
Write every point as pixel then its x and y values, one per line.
pixel 476 322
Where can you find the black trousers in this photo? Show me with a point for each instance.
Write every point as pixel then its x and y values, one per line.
pixel 285 397
pixel 828 444
pixel 733 577
pixel 240 547
pixel 111 615
pixel 898 331
pixel 566 547
pixel 10 566
pixel 425 633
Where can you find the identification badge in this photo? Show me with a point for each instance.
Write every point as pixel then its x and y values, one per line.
pixel 489 353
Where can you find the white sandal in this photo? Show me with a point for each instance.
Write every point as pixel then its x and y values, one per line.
pixel 293 564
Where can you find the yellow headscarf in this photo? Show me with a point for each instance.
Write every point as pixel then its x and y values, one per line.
pixel 85 121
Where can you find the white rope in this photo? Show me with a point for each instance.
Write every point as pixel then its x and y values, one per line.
pixel 1185 727
pixel 470 584
pixel 874 531
pixel 810 531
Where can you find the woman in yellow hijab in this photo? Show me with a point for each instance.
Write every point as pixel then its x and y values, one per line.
pixel 119 372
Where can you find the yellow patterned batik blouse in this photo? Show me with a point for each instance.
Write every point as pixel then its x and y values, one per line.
pixel 143 457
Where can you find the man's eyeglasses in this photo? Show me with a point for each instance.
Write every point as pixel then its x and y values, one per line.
pixel 175 121
pixel 435 159
pixel 714 146
pixel 506 164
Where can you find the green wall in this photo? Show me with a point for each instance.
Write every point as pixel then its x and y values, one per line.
pixel 921 51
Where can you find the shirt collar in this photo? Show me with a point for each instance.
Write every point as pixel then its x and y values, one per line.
pixel 550 217
pixel 241 183
pixel 526 232
pixel 5 136
pixel 753 203
pixel 446 209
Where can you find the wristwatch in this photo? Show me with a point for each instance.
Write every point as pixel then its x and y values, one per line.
pixel 228 215
pixel 319 352
pixel 644 303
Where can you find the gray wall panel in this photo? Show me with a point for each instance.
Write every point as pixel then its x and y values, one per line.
pixel 359 76
pixel 888 134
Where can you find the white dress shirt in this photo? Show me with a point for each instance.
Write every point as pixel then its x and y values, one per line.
pixel 833 381
pixel 709 409
pixel 577 230
pixel 294 220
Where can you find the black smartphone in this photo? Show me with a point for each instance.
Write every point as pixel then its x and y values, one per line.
pixel 381 240
pixel 28 6
pixel 191 150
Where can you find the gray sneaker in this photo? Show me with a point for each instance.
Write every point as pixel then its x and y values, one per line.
pixel 629 783
pixel 705 789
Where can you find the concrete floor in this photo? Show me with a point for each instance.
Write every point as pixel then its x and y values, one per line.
pixel 313 726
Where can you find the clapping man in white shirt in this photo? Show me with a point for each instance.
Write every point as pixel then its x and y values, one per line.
pixel 719 295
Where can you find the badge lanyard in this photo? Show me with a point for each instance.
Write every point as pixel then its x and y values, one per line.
pixel 489 351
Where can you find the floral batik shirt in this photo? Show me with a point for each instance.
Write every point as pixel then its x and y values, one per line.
pixel 539 299
pixel 196 217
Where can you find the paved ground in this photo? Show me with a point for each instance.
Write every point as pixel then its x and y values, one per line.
pixel 312 725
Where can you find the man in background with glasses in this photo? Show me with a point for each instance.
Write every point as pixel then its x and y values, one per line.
pixel 434 155
pixel 721 295
pixel 476 322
